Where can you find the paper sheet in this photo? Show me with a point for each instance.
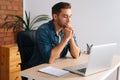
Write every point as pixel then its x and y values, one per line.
pixel 53 71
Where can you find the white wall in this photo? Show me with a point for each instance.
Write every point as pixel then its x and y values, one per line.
pixel 94 21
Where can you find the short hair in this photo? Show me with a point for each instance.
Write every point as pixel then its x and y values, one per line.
pixel 56 9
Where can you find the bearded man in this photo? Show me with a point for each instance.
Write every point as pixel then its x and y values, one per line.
pixel 55 38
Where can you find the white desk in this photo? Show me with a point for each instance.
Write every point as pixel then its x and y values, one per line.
pixel 33 73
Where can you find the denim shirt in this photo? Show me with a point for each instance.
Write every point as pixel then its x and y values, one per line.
pixel 46 40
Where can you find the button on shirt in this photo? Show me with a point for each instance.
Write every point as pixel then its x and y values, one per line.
pixel 46 39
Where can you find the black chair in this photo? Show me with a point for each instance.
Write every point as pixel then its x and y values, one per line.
pixel 26 42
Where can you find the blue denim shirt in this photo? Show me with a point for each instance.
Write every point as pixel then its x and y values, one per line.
pixel 46 40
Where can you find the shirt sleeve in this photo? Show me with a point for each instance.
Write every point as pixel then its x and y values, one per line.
pixel 74 37
pixel 43 44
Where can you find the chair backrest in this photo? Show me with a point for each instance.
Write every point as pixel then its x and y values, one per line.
pixel 26 42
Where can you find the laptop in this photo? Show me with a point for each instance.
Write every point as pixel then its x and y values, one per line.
pixel 100 59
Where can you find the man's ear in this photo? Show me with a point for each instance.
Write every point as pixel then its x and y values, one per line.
pixel 54 16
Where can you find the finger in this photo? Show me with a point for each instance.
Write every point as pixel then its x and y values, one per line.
pixel 71 31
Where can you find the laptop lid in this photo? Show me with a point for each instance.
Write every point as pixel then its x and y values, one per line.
pixel 100 59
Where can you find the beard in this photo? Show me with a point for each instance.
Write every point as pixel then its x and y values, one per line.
pixel 60 24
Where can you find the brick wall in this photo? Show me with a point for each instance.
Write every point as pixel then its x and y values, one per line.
pixel 9 7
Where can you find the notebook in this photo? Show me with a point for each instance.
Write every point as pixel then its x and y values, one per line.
pixel 53 71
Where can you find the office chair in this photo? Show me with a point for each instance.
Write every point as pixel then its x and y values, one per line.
pixel 26 43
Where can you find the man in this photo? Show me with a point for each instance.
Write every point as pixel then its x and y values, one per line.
pixel 55 38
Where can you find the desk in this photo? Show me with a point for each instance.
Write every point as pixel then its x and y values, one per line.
pixel 33 73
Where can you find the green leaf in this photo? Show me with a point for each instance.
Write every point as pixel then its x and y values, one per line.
pixel 18 21
pixel 39 18
pixel 27 20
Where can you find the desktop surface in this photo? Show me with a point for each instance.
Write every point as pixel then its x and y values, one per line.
pixel 32 73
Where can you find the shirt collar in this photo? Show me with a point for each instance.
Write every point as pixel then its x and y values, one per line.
pixel 52 27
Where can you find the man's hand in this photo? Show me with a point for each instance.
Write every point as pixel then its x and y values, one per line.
pixel 68 31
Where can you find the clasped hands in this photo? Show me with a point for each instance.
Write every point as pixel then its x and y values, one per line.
pixel 68 31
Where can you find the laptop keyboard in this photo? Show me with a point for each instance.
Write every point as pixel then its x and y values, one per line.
pixel 83 70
